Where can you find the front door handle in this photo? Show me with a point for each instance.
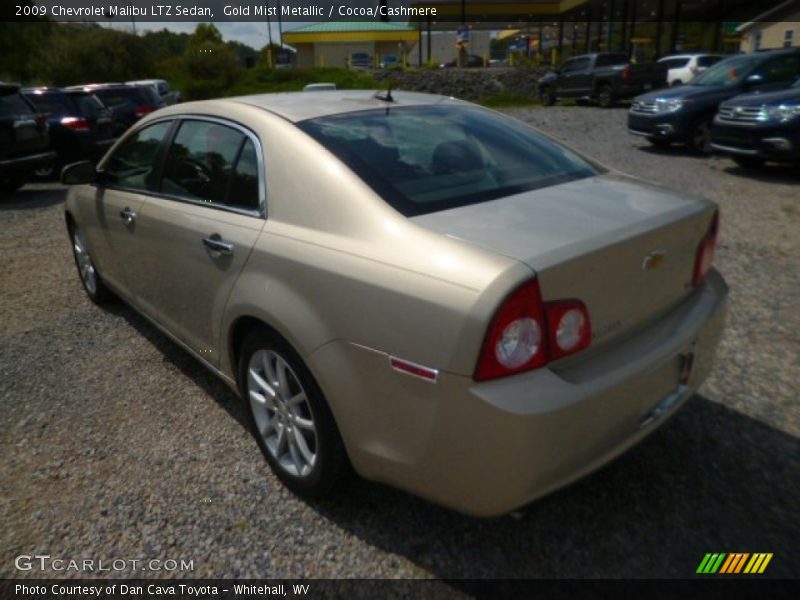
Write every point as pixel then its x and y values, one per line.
pixel 127 215
pixel 217 244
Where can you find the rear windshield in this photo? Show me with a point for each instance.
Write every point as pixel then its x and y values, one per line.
pixel 13 104
pixel 430 158
pixel 89 105
pixel 675 63
pixel 56 103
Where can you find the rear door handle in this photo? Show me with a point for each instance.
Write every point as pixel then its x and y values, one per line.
pixel 127 215
pixel 217 244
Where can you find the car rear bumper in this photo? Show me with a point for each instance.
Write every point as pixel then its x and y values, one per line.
pixel 30 162
pixel 662 126
pixel 487 448
pixel 780 143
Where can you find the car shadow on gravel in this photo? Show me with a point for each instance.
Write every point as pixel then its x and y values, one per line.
pixel 185 362
pixel 769 173
pixel 711 480
pixel 30 198
pixel 673 150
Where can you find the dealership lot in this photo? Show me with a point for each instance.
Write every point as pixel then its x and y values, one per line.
pixel 117 444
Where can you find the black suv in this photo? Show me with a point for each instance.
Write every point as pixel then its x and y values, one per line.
pixel 24 139
pixel 81 127
pixel 684 114
pixel 127 103
pixel 759 127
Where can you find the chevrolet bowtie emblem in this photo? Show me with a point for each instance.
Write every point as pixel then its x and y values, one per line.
pixel 653 260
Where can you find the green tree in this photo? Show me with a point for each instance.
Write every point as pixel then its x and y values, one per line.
pixel 209 64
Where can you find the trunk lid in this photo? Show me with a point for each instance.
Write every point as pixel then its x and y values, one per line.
pixel 624 247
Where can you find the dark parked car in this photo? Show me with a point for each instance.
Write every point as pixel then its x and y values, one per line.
pixel 684 114
pixel 604 76
pixel 758 127
pixel 472 61
pixel 24 139
pixel 80 125
pixel 127 103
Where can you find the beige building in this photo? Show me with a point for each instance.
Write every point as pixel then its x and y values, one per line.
pixel 338 44
pixel 772 30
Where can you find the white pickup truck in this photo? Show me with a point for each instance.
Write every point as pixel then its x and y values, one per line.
pixel 161 88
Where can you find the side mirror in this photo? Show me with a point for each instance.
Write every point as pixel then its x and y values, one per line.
pixel 79 173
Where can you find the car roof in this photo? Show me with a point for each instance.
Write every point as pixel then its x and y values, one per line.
pixel 97 86
pixel 145 81
pixel 299 106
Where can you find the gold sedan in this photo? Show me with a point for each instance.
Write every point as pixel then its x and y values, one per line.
pixel 436 294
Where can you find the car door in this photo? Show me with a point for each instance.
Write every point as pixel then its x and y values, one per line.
pixel 198 228
pixel 109 217
pixel 573 80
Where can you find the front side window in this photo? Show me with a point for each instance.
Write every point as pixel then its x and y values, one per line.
pixel 212 163
pixel 780 69
pixel 580 64
pixel 134 164
pixel 430 158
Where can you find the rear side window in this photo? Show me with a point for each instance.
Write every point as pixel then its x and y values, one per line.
pixel 609 60
pixel 430 158
pixel 13 104
pixel 133 165
pixel 212 163
pixel 675 63
pixel 707 61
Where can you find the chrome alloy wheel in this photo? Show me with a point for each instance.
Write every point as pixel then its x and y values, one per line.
pixel 85 266
pixel 282 413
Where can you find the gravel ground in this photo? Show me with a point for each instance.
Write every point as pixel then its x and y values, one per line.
pixel 116 444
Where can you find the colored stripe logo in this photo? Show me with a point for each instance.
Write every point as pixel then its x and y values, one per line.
pixel 734 563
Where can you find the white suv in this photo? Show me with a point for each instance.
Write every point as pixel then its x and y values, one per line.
pixel 682 67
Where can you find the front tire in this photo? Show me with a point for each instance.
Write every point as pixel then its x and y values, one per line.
pixel 290 417
pixel 700 140
pixel 90 278
pixel 546 96
pixel 660 142
pixel 11 183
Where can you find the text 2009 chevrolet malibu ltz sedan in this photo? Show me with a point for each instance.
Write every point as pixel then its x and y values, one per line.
pixel 436 294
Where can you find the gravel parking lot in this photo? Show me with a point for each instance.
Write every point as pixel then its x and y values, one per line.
pixel 117 444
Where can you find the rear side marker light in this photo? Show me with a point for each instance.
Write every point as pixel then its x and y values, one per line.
pixel 409 368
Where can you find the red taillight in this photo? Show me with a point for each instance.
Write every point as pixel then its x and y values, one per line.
pixel 76 123
pixel 705 251
pixel 143 110
pixel 526 334
pixel 626 73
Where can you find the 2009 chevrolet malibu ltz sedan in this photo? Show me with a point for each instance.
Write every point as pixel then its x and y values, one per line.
pixel 436 294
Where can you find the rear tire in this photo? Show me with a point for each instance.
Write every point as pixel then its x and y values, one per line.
pixel 749 162
pixel 546 96
pixel 676 83
pixel 290 417
pixel 605 96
